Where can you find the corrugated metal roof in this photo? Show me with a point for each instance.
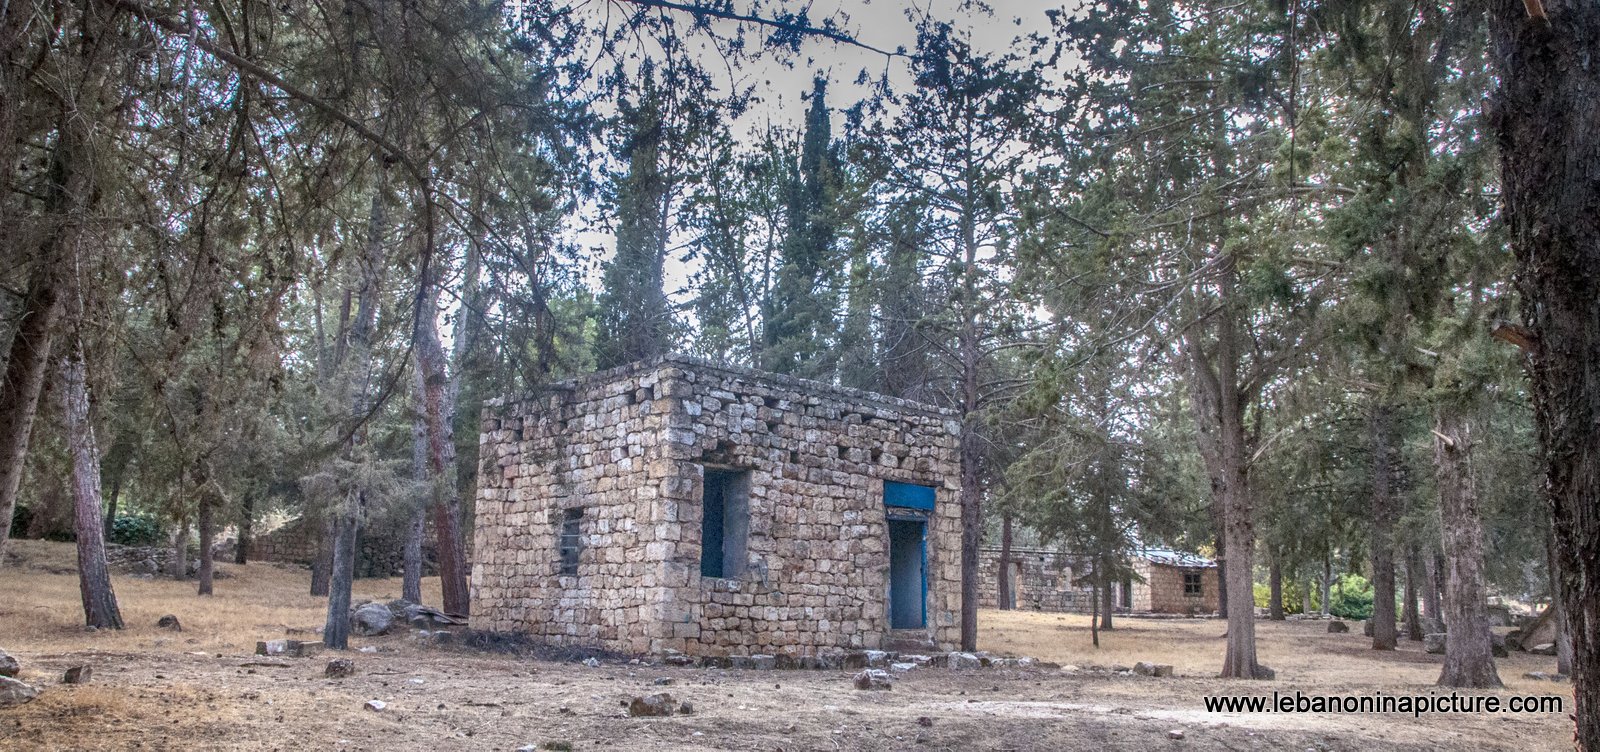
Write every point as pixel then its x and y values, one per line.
pixel 1174 558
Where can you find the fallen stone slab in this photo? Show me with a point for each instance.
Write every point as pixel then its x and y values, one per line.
pixel 375 706
pixel 965 660
pixel 1546 648
pixel 169 622
pixel 1144 668
pixel 77 675
pixel 13 692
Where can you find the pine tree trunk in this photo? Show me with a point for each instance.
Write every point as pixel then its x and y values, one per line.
pixel 1094 613
pixel 411 573
pixel 1222 563
pixel 1275 585
pixel 1469 656
pixel 247 520
pixel 1384 636
pixel 971 534
pixel 207 538
pixel 1327 582
pixel 1305 598
pixel 1546 113
pixel 1412 618
pixel 111 506
pixel 1432 599
pixel 438 408
pixel 180 550
pixel 1563 640
pixel 1107 602
pixel 336 630
pixel 94 577
pixel 322 566
pixel 1004 578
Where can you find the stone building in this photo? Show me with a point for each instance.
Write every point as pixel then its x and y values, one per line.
pixel 1042 580
pixel 675 504
pixel 1173 582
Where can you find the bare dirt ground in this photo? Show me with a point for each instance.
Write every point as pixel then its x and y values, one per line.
pixel 154 689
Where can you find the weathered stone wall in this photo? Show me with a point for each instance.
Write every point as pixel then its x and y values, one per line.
pixel 1162 589
pixel 1045 583
pixel 630 447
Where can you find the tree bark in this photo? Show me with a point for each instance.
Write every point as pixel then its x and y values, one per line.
pixel 1107 601
pixel 336 630
pixel 1384 636
pixel 207 538
pixel 1004 576
pixel 1546 114
pixel 247 520
pixel 1327 582
pixel 1275 585
pixel 1432 591
pixel 438 410
pixel 1469 656
pixel 322 566
pixel 1563 640
pixel 1305 598
pixel 94 577
pixel 411 572
pixel 180 550
pixel 1412 618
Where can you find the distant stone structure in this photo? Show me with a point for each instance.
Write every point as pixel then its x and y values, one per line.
pixel 679 505
pixel 1169 582
pixel 1173 582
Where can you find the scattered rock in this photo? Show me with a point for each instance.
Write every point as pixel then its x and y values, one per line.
pixel 924 721
pixel 901 668
pixel 375 705
pixel 1546 648
pixel 965 660
pixel 1498 647
pixel 340 668
pixel 1335 627
pixel 652 706
pixel 1366 628
pixel 1542 676
pixel 686 708
pixel 1434 643
pixel 675 658
pixel 288 648
pixel 77 675
pixel 1144 668
pixel 874 679
pixel 764 662
pixel 13 692
pixel 371 619
pixel 1163 670
pixel 662 681
pixel 1175 734
pixel 592 662
pixel 8 665
pixel 558 745
pixel 1513 640
pixel 1265 672
pixel 169 622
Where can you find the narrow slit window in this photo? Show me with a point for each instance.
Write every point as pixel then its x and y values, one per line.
pixel 1192 584
pixel 724 523
pixel 571 540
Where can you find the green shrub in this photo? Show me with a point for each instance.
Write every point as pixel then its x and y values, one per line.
pixel 1351 597
pixel 136 530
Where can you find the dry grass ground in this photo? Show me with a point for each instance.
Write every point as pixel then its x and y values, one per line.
pixel 154 689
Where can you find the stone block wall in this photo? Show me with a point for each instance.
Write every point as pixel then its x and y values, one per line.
pixel 630 447
pixel 1045 582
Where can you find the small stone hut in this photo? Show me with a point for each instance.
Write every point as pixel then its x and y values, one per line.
pixel 675 504
pixel 1173 582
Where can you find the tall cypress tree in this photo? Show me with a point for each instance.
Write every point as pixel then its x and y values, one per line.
pixel 800 322
pixel 635 321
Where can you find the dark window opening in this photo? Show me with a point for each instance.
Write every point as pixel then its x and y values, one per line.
pixel 571 540
pixel 1192 584
pixel 724 523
